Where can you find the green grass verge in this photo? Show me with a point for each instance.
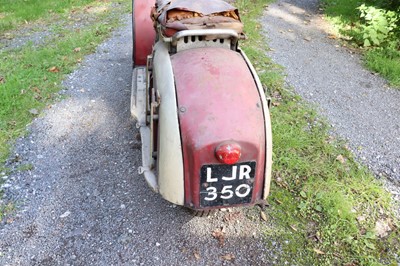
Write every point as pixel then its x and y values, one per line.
pixel 31 76
pixel 13 13
pixel 324 206
pixel 386 62
pixel 384 55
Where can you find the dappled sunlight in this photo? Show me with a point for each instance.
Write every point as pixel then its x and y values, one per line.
pixel 298 18
pixel 288 13
pixel 76 119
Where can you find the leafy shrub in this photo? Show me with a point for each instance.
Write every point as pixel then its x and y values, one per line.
pixel 379 26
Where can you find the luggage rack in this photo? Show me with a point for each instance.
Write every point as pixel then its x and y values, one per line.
pixel 189 39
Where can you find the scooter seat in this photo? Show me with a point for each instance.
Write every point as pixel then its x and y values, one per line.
pixel 177 15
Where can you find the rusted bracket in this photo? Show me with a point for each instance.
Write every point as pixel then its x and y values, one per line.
pixel 262 203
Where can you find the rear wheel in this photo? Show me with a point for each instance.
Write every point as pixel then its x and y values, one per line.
pixel 205 213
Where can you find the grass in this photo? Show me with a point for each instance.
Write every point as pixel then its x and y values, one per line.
pixel 6 209
pixel 382 57
pixel 385 62
pixel 31 76
pixel 13 13
pixel 324 205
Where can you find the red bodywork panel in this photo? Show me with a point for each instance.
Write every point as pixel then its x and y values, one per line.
pixel 144 33
pixel 218 101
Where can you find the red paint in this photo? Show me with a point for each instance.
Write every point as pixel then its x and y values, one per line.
pixel 144 33
pixel 221 101
pixel 228 153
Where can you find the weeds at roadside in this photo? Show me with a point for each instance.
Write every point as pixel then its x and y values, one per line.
pixel 25 167
pixel 327 209
pixel 5 209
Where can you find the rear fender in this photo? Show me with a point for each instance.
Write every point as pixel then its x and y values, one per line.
pixel 218 101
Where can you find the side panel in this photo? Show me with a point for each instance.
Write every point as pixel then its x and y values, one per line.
pixel 143 31
pixel 170 160
pixel 218 101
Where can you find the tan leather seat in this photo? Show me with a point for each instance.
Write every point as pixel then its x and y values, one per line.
pixel 177 15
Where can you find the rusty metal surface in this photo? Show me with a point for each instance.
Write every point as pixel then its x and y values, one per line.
pixel 185 15
pixel 218 100
pixel 144 33
pixel 200 6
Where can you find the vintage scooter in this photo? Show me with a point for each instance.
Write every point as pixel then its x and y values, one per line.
pixel 203 117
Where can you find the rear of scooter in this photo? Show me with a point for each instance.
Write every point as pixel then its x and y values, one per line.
pixel 201 109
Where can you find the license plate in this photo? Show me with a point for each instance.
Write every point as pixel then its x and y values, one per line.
pixel 224 185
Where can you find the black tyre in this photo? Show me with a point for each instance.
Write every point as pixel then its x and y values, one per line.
pixel 205 213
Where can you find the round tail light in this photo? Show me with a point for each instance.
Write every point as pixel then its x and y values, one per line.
pixel 228 152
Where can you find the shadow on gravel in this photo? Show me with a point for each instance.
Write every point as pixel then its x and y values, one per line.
pixel 299 15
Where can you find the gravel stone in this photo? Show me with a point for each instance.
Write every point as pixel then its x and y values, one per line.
pixel 360 105
pixel 88 166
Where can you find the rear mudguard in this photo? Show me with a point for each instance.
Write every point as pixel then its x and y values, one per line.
pixel 208 96
pixel 218 101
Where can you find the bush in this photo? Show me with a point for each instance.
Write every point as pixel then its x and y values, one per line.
pixel 379 26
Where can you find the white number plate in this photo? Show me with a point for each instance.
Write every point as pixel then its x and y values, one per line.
pixel 224 185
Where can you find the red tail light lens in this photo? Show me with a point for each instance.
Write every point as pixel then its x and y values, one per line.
pixel 228 153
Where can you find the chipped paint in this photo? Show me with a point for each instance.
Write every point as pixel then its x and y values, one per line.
pixel 229 96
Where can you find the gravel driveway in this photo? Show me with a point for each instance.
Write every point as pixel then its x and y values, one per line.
pixel 360 106
pixel 84 202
